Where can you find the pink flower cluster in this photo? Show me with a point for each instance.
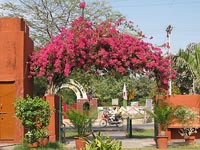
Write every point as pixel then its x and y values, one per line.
pixel 82 5
pixel 85 44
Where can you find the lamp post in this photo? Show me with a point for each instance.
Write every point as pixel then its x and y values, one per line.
pixel 169 30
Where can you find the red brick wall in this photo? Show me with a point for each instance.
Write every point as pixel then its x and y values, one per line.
pixel 93 104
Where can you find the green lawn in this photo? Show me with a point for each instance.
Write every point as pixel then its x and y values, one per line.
pixel 141 133
pixel 180 147
pixel 52 147
pixel 137 133
pixel 49 146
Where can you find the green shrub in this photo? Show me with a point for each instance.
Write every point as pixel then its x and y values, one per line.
pixel 163 114
pixel 80 120
pixel 34 114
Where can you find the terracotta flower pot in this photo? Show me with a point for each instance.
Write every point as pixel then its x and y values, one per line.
pixel 162 142
pixel 43 141
pixel 33 145
pixel 80 143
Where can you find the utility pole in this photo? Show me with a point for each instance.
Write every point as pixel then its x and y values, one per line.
pixel 169 30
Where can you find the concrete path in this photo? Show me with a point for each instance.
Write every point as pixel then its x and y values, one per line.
pixel 127 143
pixel 6 146
pixel 116 133
pixel 121 136
pixel 112 131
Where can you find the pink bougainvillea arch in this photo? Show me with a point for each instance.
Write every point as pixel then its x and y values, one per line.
pixel 99 46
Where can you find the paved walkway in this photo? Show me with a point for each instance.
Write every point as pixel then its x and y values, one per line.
pixel 120 136
pixel 6 146
pixel 116 133
pixel 128 143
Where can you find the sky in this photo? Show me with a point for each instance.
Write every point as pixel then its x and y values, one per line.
pixel 154 16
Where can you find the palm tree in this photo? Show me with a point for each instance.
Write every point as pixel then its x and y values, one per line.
pixel 187 65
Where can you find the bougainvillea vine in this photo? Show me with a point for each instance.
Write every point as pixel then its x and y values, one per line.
pixel 99 46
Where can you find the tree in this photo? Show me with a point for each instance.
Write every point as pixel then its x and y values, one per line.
pixel 46 17
pixel 194 56
pixel 99 45
pixel 187 66
pixel 143 89
pixel 184 72
pixel 105 88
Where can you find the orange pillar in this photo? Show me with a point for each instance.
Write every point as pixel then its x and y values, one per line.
pixel 15 48
pixel 53 127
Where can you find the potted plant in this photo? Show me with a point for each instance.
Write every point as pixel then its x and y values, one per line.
pixel 34 114
pixel 82 123
pixel 163 115
pixel 100 142
pixel 188 118
pixel 42 137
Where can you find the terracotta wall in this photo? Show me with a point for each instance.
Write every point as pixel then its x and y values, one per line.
pixel 15 47
pixel 192 101
pixel 53 128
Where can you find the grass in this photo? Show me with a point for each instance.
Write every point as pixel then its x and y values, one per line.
pixel 59 146
pixel 143 133
pixel 49 146
pixel 137 133
pixel 70 134
pixel 178 147
pixel 149 133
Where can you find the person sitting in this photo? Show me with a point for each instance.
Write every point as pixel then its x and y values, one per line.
pixel 120 111
pixel 118 114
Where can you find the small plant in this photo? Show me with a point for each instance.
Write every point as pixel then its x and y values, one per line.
pixel 163 114
pixel 34 114
pixel 100 142
pixel 188 118
pixel 81 121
